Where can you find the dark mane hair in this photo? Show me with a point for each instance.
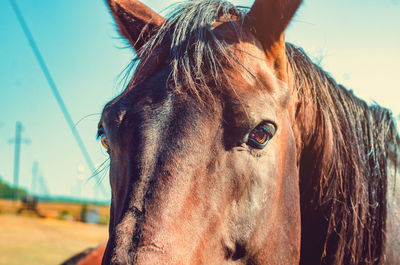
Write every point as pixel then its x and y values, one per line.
pixel 196 55
pixel 343 162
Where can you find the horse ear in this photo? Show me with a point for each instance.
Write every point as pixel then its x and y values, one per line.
pixel 270 18
pixel 136 22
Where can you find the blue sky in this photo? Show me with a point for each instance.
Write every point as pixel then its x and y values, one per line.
pixel 357 41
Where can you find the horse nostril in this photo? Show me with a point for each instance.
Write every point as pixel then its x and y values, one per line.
pixel 239 252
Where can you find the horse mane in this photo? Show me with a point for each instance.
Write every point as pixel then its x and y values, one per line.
pixel 343 163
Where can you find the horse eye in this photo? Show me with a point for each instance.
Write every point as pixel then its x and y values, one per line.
pixel 104 141
pixel 260 136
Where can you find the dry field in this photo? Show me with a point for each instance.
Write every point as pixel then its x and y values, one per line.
pixel 55 209
pixel 28 240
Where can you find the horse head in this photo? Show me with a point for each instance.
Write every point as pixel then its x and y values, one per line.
pixel 202 145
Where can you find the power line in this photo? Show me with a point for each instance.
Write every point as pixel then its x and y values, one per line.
pixel 54 89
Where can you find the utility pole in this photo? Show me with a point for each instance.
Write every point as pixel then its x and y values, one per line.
pixel 17 151
pixel 44 191
pixel 35 168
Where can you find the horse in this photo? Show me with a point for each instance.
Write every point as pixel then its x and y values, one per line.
pixel 228 145
pixel 90 256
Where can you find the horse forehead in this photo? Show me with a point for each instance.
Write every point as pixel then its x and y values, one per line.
pixel 147 87
pixel 258 79
pixel 255 80
pixel 257 73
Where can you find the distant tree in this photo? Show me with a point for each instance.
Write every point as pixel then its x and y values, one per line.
pixel 7 192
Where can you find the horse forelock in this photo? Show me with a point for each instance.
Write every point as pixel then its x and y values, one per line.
pixel 349 142
pixel 189 45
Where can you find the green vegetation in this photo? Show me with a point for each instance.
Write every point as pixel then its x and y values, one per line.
pixel 64 215
pixel 66 199
pixel 7 192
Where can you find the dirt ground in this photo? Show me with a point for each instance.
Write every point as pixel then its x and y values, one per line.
pixel 55 209
pixel 29 241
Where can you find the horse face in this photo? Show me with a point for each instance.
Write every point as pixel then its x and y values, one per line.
pixel 198 183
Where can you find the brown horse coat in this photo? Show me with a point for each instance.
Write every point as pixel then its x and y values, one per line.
pixel 229 146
